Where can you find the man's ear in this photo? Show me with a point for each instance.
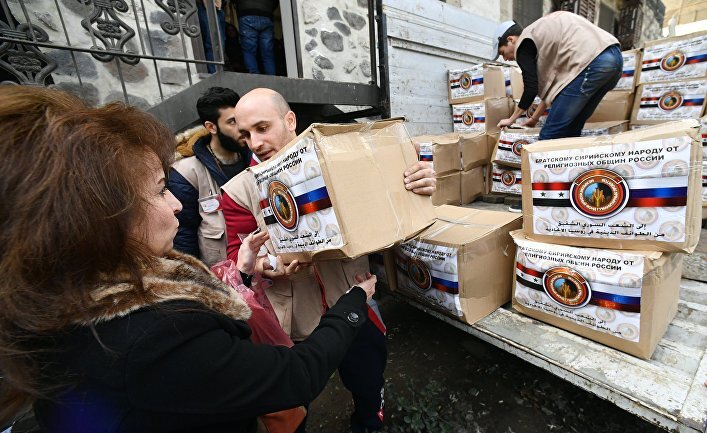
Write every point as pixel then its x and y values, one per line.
pixel 211 127
pixel 291 121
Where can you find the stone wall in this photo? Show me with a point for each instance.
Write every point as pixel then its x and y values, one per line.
pixel 101 81
pixel 334 40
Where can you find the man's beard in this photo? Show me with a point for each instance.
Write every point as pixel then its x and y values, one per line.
pixel 231 145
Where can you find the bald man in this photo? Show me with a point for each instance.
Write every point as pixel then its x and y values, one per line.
pixel 301 293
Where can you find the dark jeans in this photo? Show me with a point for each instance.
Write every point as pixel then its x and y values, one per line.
pixel 206 33
pixel 578 100
pixel 257 36
pixel 361 371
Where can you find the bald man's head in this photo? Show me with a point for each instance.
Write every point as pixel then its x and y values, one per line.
pixel 265 121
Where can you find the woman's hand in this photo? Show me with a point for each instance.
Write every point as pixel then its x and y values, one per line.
pixel 368 284
pixel 248 253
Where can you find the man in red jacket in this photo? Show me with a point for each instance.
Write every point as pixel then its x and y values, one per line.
pixel 302 292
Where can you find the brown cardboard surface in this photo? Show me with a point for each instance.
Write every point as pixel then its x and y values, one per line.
pixel 472 184
pixel 659 284
pixel 361 167
pixel 493 85
pixel 652 114
pixel 516 83
pixel 476 249
pixel 616 105
pixel 444 150
pixel 474 149
pixel 448 189
pixel 383 266
pixel 685 131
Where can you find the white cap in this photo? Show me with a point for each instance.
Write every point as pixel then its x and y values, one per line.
pixel 500 30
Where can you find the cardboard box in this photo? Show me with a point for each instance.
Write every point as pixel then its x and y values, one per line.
pixel 336 191
pixel 472 184
pixel 511 142
pixel 616 105
pixel 505 179
pixel 623 299
pixel 531 111
pixel 382 265
pixel 448 189
pixel 481 116
pixel 517 86
pixel 703 137
pixel 631 70
pixel 604 128
pixel 635 190
pixel 704 183
pixel 462 264
pixel 476 83
pixel 441 150
pixel 474 149
pixel 663 102
pixel 674 59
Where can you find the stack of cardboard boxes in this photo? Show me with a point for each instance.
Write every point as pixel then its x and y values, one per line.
pixel 458 160
pixel 605 220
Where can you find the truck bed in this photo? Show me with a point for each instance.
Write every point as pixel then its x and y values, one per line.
pixel 669 390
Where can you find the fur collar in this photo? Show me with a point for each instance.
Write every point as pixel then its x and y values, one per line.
pixel 174 277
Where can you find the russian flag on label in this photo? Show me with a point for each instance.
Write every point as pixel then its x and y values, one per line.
pixel 309 197
pixel 654 102
pixel 603 295
pixel 426 152
pixel 626 74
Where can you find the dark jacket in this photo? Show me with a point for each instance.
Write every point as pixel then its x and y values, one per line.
pixel 177 358
pixel 263 8
pixel 192 223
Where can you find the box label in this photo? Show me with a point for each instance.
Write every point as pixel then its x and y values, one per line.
pixel 467 83
pixel 506 180
pixel 629 72
pixel 510 143
pixel 295 202
pixel 676 60
pixel 430 272
pixel 630 191
pixel 427 153
pixel 703 137
pixel 594 288
pixel 704 182
pixel 469 117
pixel 672 101
pixel 531 110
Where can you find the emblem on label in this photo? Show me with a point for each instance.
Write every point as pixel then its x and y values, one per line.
pixel 468 118
pixel 672 61
pixel 599 193
pixel 419 273
pixel 567 287
pixel 465 81
pixel 508 178
pixel 283 205
pixel 518 145
pixel 670 101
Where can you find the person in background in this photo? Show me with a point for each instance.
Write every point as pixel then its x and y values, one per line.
pixel 300 293
pixel 206 32
pixel 196 180
pixel 103 326
pixel 234 53
pixel 567 61
pixel 255 26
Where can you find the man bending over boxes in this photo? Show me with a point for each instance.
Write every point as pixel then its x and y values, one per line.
pixel 567 61
pixel 300 293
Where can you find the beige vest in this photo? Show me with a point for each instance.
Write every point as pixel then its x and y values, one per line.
pixel 212 230
pixel 567 44
pixel 297 300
